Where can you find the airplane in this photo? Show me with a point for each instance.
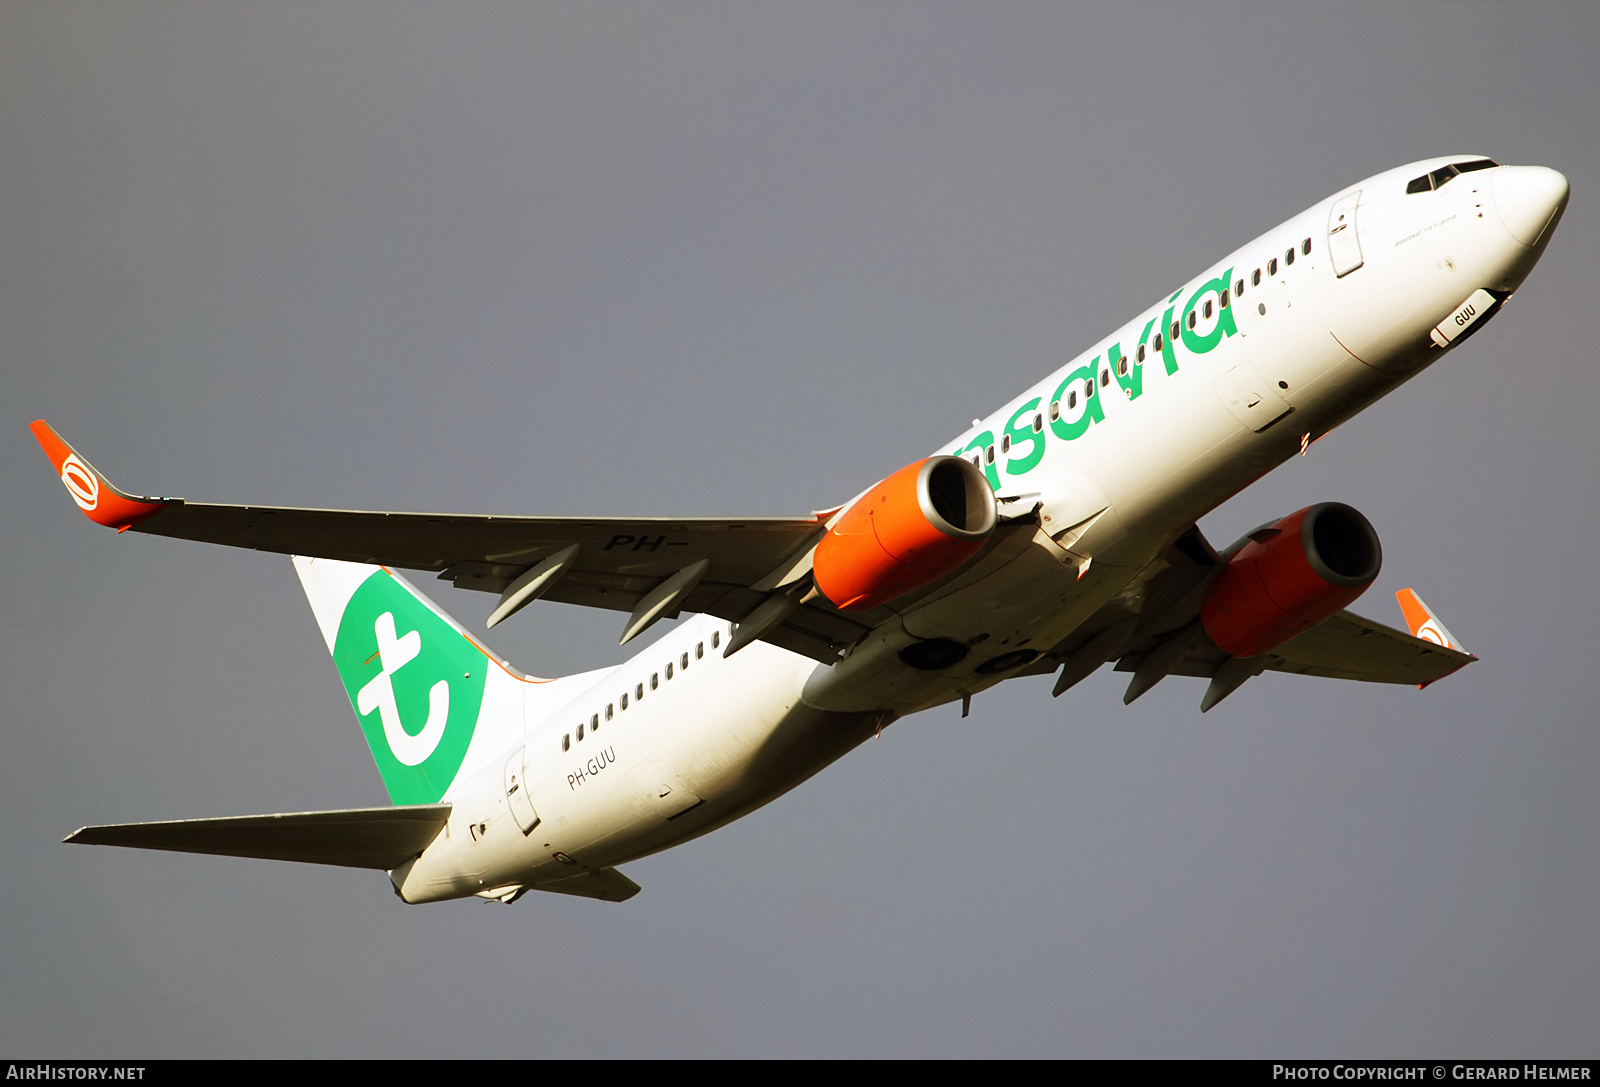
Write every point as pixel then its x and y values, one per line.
pixel 1056 535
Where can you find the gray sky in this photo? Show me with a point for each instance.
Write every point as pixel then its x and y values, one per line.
pixel 744 258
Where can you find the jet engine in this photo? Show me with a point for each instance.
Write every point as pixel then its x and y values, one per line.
pixel 1288 577
pixel 917 525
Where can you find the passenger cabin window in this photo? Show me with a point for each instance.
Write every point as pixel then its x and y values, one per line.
pixel 638 691
pixel 624 700
pixel 1140 354
pixel 1055 406
pixel 566 742
pixel 1038 424
pixel 594 723
pixel 683 661
pixel 1222 299
pixel 1288 255
pixel 1305 248
pixel 1174 331
pixel 1208 313
pixel 716 639
pixel 1005 444
pixel 580 730
pixel 699 650
pixel 1122 366
pixel 1191 319
pixel 608 711
pixel 1255 278
pixel 669 669
pixel 1072 401
pixel 988 455
pixel 1272 266
pixel 1238 287
pixel 655 680
pixel 1105 377
pixel 1157 342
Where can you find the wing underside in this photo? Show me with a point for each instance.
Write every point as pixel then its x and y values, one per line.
pixel 615 563
pixel 1152 630
pixel 1346 646
pixel 619 562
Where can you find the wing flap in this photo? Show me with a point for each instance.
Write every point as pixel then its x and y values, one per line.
pixel 382 838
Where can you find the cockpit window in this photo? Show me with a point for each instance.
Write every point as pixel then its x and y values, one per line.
pixel 1441 177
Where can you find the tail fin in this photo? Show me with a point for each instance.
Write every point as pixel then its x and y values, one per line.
pixel 422 688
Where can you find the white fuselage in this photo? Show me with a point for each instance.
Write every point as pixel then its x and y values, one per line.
pixel 1111 461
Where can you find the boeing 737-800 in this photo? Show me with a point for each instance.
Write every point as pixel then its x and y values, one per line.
pixel 1058 534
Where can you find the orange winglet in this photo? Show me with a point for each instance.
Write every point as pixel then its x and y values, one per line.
pixel 1423 622
pixel 1416 613
pixel 96 497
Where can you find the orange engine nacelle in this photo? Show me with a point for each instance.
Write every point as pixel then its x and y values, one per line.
pixel 1289 577
pixel 914 527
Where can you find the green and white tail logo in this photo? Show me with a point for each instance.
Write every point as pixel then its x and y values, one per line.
pixel 416 684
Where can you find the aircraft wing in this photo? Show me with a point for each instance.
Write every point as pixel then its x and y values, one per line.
pixel 1345 646
pixel 1350 647
pixel 618 558
pixel 1152 629
pixel 722 566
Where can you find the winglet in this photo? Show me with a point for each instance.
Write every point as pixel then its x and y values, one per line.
pixel 1424 623
pixel 96 497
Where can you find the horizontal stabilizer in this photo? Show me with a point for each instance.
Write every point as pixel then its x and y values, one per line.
pixel 606 884
pixel 381 838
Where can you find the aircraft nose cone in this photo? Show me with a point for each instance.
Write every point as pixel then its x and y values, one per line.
pixel 1530 200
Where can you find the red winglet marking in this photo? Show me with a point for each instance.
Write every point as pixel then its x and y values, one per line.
pixel 96 497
